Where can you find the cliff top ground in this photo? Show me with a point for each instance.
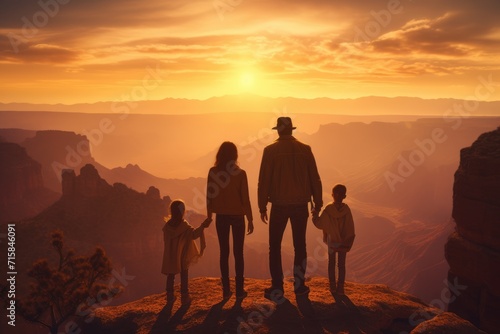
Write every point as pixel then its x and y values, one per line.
pixel 365 309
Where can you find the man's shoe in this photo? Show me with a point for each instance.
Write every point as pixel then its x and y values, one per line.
pixel 333 289
pixel 241 294
pixel 340 290
pixel 273 293
pixel 226 294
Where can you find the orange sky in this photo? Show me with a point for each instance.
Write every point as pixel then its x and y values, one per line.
pixel 62 51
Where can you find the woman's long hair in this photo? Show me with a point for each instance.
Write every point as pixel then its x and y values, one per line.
pixel 227 154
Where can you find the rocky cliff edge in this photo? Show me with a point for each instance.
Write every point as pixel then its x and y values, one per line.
pixel 366 308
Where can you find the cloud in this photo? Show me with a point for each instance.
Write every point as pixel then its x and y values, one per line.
pixel 451 34
pixel 38 54
pixel 304 43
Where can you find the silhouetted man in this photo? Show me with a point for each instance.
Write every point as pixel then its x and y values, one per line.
pixel 288 178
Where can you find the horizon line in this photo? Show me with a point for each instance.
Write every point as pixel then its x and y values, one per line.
pixel 250 95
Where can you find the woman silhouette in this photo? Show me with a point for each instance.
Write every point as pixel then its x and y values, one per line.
pixel 227 197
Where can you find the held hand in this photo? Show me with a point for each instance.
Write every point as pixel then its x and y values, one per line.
pixel 206 223
pixel 250 227
pixel 315 214
pixel 263 217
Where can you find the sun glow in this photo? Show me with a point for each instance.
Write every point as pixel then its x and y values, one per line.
pixel 247 80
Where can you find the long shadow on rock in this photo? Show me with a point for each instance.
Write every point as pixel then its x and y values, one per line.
pixel 345 304
pixel 161 322
pixel 305 306
pixel 125 325
pixel 165 322
pixel 286 318
pixel 211 322
pixel 234 320
pixel 177 317
pixel 342 316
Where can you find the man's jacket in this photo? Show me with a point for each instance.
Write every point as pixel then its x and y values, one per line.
pixel 288 174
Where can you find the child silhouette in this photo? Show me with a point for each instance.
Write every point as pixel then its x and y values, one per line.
pixel 180 250
pixel 338 228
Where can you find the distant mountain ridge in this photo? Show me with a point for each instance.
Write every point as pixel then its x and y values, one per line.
pixel 56 150
pixel 370 105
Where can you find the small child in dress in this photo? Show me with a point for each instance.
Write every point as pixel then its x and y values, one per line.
pixel 338 227
pixel 180 249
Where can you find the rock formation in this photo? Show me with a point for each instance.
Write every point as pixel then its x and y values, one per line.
pixel 22 192
pixel 58 150
pixel 88 184
pixel 19 171
pixel 473 250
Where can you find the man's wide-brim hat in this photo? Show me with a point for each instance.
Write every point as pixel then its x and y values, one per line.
pixel 284 123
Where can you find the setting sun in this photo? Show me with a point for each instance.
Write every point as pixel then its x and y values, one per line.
pixel 204 49
pixel 247 80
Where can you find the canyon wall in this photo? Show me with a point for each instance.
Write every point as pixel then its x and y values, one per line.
pixel 473 250
pixel 23 194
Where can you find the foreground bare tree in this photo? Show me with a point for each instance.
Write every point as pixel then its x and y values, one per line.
pixel 70 289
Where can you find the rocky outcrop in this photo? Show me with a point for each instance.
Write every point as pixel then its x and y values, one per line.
pixel 22 192
pixel 19 171
pixel 56 151
pixel 473 251
pixel 367 308
pixel 87 184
